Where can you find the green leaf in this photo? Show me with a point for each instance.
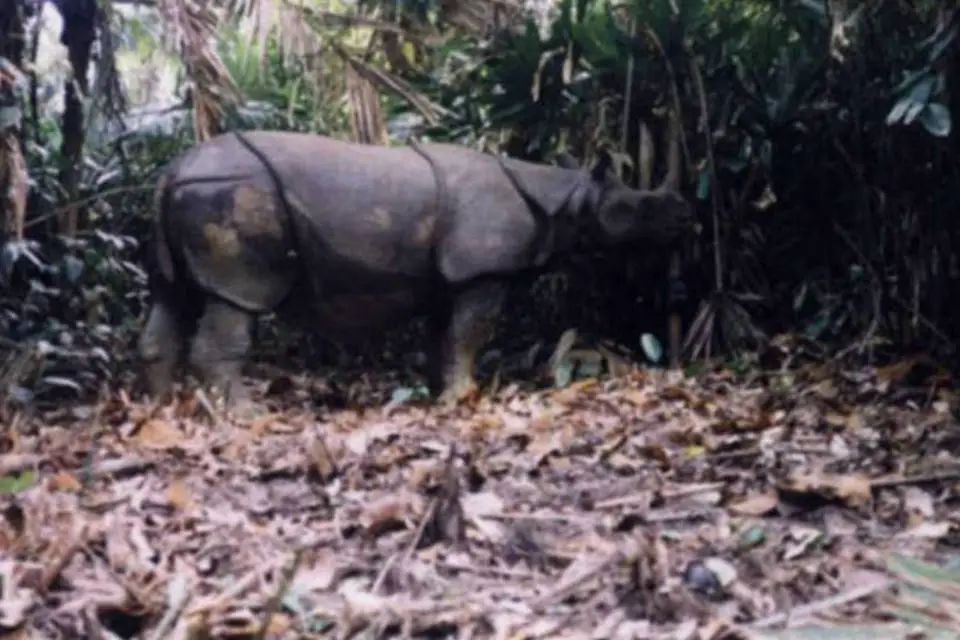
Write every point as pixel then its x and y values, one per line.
pixel 564 345
pixel 651 347
pixel 935 118
pixel 402 395
pixel 900 108
pixel 16 483
pixel 591 367
pixel 563 374
pixel 921 91
pixel 913 110
pixel 752 537
pixel 819 325
pixel 941 44
pixel 703 186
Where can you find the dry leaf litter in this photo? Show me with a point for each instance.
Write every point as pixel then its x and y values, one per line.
pixel 646 506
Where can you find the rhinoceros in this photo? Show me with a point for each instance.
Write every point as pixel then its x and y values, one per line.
pixel 351 239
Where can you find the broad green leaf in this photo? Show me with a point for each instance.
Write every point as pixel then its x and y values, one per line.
pixel 563 374
pixel 752 537
pixel 921 91
pixel 16 483
pixel 815 328
pixel 403 395
pixel 942 44
pixel 591 367
pixel 900 108
pixel 913 110
pixel 564 345
pixel 651 347
pixel 923 572
pixel 703 186
pixel 935 118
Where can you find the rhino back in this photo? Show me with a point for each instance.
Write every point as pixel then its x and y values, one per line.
pixel 367 216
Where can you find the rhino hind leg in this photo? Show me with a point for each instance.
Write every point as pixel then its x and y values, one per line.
pixel 219 348
pixel 161 347
pixel 469 325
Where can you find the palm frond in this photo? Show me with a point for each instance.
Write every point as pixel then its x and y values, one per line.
pixel 366 116
pixel 107 92
pixel 192 27
pixel 380 78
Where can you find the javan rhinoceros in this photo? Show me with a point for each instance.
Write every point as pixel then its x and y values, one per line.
pixel 356 238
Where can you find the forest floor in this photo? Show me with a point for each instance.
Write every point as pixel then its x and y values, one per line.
pixel 774 505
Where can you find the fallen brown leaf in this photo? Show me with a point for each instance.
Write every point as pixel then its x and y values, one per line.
pixel 757 504
pixel 159 434
pixel 63 481
pixel 853 489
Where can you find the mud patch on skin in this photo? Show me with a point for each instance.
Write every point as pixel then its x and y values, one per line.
pixel 222 243
pixel 254 212
pixel 382 218
pixel 425 229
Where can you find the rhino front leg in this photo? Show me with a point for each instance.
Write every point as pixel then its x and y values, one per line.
pixel 161 348
pixel 469 325
pixel 219 348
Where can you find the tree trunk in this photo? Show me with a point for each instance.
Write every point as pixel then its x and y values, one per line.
pixel 13 172
pixel 79 32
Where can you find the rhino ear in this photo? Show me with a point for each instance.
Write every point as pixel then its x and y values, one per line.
pixel 567 161
pixel 604 171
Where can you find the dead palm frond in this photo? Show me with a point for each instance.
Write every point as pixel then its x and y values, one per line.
pixel 366 117
pixel 385 81
pixel 107 92
pixel 723 321
pixel 479 18
pixel 306 33
pixel 192 26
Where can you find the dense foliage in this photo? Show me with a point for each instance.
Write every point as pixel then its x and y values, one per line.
pixel 817 140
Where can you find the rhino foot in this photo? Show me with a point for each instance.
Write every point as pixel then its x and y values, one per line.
pixel 219 348
pixel 469 326
pixel 244 409
pixel 161 347
pixel 461 390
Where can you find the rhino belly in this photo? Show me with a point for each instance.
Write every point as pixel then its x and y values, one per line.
pixel 354 316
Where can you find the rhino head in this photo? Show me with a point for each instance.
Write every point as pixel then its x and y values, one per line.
pixel 622 214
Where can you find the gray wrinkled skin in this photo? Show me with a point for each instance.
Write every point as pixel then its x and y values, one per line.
pixel 352 239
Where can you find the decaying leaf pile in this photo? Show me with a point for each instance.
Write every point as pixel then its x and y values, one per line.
pixel 778 505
